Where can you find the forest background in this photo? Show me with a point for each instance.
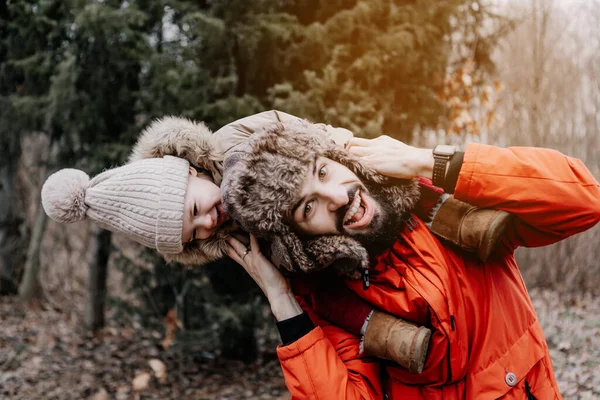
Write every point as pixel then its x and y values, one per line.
pixel 88 314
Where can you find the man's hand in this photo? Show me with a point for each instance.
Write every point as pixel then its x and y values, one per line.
pixel 277 289
pixel 393 158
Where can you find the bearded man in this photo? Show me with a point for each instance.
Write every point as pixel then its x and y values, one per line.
pixel 352 210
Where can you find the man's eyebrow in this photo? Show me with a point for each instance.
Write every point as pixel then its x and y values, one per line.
pixel 303 198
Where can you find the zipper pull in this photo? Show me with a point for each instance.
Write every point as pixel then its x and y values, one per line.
pixel 365 279
pixel 414 222
pixel 411 223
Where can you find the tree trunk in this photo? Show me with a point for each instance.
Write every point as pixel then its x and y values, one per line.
pixel 29 283
pixel 10 237
pixel 99 252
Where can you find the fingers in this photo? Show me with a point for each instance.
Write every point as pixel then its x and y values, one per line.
pixel 368 160
pixel 231 252
pixel 243 237
pixel 358 142
pixel 359 151
pixel 254 246
pixel 237 246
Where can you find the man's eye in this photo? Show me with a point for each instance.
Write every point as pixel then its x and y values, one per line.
pixel 322 172
pixel 195 210
pixel 307 208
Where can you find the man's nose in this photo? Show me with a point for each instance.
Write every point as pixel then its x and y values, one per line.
pixel 336 197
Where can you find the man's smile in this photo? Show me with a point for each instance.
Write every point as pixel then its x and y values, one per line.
pixel 360 213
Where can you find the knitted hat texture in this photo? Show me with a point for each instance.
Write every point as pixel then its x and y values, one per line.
pixel 143 199
pixel 194 142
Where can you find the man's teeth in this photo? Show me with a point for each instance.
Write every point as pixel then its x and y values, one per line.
pixel 354 208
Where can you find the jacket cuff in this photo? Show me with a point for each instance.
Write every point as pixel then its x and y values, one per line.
pixel 462 190
pixel 294 328
pixel 301 345
pixel 453 171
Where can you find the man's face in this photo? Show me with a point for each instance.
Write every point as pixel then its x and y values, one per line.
pixel 333 200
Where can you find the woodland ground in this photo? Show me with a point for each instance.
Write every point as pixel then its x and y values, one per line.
pixel 45 356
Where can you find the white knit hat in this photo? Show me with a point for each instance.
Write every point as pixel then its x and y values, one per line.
pixel 143 199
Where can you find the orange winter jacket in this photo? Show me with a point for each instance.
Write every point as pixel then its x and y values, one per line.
pixel 487 342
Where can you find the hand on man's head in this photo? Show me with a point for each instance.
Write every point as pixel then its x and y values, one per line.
pixel 391 157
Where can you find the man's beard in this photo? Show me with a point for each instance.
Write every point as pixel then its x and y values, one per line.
pixel 385 226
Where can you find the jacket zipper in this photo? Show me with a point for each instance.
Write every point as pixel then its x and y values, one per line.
pixel 411 223
pixel 365 278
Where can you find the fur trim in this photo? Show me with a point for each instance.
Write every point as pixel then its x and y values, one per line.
pixel 182 138
pixel 194 142
pixel 201 252
pixel 343 254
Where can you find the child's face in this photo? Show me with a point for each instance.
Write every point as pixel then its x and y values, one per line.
pixel 203 213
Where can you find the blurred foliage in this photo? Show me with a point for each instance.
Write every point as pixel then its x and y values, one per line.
pixel 92 74
pixel 215 308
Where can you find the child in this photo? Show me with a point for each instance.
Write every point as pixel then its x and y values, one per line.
pixel 173 204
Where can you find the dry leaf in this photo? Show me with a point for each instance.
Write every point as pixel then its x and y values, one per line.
pixel 564 345
pixel 160 369
pixel 498 86
pixel 490 119
pixel 102 394
pixel 141 381
pixel 171 325
pixel 466 80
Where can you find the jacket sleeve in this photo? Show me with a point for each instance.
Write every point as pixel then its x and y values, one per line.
pixel 553 196
pixel 239 131
pixel 325 364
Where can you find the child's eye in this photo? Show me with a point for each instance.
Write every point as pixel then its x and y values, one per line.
pixel 307 208
pixel 195 210
pixel 322 172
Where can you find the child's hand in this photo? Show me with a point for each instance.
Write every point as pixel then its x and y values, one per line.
pixel 393 158
pixel 269 279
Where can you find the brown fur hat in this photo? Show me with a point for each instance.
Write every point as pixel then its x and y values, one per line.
pixel 262 181
pixel 194 142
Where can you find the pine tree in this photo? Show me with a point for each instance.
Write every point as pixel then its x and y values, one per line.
pixel 375 66
pixel 31 36
pixel 72 72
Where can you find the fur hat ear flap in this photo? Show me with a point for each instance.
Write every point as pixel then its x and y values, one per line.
pixel 343 254
pixel 296 251
pixel 346 256
pixel 280 256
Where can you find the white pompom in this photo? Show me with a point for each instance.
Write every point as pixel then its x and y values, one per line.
pixel 63 195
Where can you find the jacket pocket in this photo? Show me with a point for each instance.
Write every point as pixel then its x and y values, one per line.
pixel 539 384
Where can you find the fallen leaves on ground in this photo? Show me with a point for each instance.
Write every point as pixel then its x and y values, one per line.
pixel 160 369
pixel 43 355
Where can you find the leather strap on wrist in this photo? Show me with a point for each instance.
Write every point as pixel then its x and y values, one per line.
pixel 442 155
